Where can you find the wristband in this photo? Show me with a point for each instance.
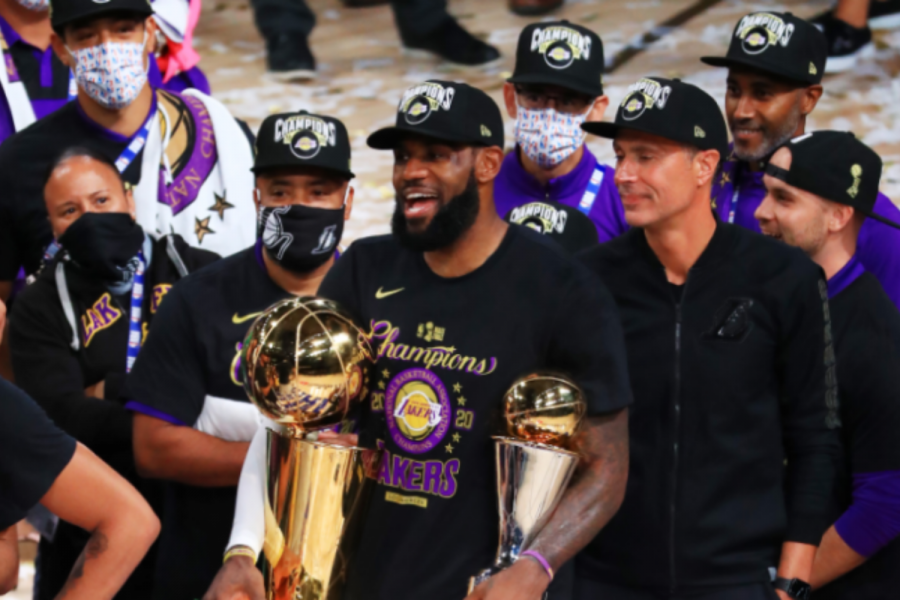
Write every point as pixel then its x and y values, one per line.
pixel 240 551
pixel 540 560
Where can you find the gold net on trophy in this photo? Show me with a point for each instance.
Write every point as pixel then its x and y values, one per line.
pixel 542 415
pixel 305 364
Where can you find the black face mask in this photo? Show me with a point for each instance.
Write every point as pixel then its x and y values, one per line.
pixel 301 238
pixel 103 245
pixel 448 224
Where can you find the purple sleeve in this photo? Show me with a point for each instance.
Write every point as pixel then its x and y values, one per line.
pixel 878 248
pixel 873 520
pixel 152 412
pixel 7 128
pixel 607 213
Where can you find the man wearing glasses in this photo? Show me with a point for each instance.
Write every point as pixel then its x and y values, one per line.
pixel 555 87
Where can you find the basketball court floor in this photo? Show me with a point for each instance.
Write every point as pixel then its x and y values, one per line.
pixel 363 71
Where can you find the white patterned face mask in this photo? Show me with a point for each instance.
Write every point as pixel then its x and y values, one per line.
pixel 35 5
pixel 113 73
pixel 549 137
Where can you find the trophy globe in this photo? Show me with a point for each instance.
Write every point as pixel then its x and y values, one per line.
pixel 544 408
pixel 304 363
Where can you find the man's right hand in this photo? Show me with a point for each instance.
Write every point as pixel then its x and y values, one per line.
pixel 238 579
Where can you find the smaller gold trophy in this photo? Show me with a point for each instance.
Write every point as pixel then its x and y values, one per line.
pixel 543 412
pixel 304 364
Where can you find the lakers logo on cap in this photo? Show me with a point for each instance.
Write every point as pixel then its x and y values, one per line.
pixel 759 31
pixel 560 46
pixel 419 102
pixel 541 217
pixel 305 135
pixel 418 111
pixel 642 96
pixel 417 410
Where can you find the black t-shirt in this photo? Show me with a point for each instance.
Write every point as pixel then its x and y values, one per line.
pixel 33 452
pixel 24 160
pixel 191 352
pixel 866 327
pixel 447 351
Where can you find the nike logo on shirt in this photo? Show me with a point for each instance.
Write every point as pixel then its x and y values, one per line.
pixel 382 294
pixel 238 320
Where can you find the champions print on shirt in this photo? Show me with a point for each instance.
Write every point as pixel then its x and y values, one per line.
pixel 420 101
pixel 305 135
pixel 560 46
pixel 760 30
pixel 644 95
pixel 425 410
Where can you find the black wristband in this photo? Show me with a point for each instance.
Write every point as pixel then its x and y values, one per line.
pixel 795 588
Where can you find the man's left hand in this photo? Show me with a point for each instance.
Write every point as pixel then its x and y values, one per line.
pixel 524 580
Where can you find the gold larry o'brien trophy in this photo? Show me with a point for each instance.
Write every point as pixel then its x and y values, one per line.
pixel 304 364
pixel 542 413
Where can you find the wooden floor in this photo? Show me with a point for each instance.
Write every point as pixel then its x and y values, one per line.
pixel 363 72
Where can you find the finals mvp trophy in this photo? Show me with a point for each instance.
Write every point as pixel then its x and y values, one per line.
pixel 304 364
pixel 542 414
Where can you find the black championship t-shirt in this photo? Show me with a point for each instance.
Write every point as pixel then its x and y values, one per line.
pixel 33 452
pixel 866 327
pixel 447 350
pixel 191 352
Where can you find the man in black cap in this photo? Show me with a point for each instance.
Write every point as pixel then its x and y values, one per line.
pixel 556 86
pixel 821 189
pixel 568 227
pixel 775 65
pixel 192 425
pixel 185 156
pixel 732 371
pixel 77 329
pixel 433 522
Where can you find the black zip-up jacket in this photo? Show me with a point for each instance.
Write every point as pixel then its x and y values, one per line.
pixel 729 381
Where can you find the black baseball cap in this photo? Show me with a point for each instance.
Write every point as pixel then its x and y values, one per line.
pixel 302 139
pixel 836 166
pixel 63 12
pixel 669 108
pixel 567 226
pixel 447 111
pixel 560 53
pixel 779 44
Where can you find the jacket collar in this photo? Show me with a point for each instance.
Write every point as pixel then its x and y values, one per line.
pixel 523 183
pixel 718 249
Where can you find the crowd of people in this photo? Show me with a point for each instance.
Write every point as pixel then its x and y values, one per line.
pixel 729 310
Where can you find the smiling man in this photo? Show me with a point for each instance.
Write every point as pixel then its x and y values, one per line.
pixel 775 65
pixel 192 426
pixel 726 336
pixel 822 188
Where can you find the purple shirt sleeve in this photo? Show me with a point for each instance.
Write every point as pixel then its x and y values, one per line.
pixel 878 247
pixel 873 520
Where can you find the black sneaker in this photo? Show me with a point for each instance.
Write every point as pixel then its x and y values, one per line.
pixel 290 58
pixel 452 43
pixel 884 15
pixel 846 44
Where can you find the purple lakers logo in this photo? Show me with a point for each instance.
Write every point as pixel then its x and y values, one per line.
pixel 159 292
pixel 417 408
pixel 99 317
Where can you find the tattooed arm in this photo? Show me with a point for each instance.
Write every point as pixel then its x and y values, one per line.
pixel 90 494
pixel 592 499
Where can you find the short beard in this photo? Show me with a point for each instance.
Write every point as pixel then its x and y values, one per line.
pixel 774 139
pixel 449 223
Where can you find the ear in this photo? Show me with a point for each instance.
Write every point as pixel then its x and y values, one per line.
pixel 705 164
pixel 129 200
pixel 348 206
pixel 599 109
pixel 809 99
pixel 840 216
pixel 509 98
pixel 59 48
pixel 151 27
pixel 487 164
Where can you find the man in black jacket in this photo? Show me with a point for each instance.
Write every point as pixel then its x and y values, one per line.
pixel 75 332
pixel 822 188
pixel 732 368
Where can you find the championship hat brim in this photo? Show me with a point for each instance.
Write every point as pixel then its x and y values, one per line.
pixel 746 63
pixel 59 17
pixel 390 137
pixel 556 79
pixel 263 168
